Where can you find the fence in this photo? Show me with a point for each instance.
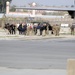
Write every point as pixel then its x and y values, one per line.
pixel 52 21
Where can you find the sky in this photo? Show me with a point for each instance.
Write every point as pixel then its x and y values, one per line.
pixel 43 2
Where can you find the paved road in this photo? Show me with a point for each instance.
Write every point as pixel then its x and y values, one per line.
pixel 36 54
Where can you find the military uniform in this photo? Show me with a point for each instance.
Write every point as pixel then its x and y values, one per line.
pixel 72 30
pixel 56 29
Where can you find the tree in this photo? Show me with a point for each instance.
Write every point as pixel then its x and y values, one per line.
pixel 3 5
pixel 12 8
pixel 0 6
pixel 72 14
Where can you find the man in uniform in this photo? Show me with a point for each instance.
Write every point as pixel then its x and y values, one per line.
pixel 72 29
pixel 56 29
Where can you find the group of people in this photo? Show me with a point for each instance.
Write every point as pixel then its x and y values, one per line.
pixel 33 29
pixel 11 28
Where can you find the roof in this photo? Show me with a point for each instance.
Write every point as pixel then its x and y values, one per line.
pixel 48 8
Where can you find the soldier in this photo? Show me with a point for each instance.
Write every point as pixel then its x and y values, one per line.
pixel 72 29
pixel 56 29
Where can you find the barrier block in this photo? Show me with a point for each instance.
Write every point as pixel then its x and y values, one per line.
pixel 71 67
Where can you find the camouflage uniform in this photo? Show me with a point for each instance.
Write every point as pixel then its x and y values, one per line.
pixel 72 30
pixel 56 29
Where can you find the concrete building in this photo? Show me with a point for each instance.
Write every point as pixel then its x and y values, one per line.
pixel 20 11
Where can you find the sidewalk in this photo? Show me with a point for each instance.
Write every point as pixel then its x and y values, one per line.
pixel 7 71
pixel 33 37
pixel 5 36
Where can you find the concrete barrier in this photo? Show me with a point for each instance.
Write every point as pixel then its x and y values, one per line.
pixel 71 67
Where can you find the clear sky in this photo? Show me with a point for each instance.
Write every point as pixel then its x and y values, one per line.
pixel 44 2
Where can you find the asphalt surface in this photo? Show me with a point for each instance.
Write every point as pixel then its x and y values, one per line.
pixel 36 54
pixel 6 71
